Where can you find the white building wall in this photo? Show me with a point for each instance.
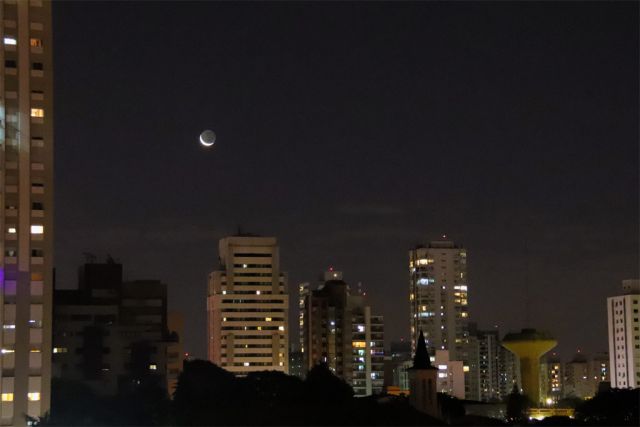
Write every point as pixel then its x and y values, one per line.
pixel 624 340
pixel 248 307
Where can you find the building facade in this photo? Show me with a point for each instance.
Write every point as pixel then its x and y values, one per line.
pixel 577 381
pixel 599 371
pixel 624 336
pixel 26 146
pixel 552 379
pixel 438 298
pixel 109 334
pixel 341 331
pixel 248 307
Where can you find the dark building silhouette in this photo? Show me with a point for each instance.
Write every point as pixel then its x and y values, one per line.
pixel 339 329
pixel 111 335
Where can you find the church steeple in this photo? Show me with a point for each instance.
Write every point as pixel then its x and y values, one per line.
pixel 421 359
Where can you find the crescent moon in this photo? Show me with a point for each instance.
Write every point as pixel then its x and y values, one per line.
pixel 206 144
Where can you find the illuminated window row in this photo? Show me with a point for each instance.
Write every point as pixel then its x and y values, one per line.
pixel 35 229
pixel 8 397
pixel 12 41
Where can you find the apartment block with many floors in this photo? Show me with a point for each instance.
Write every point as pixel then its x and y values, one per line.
pixel 248 307
pixel 624 336
pixel 26 197
pixel 438 299
pixel 341 330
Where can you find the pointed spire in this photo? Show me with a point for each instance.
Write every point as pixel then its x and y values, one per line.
pixel 421 359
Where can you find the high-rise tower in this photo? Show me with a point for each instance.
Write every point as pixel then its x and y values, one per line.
pixel 624 338
pixel 248 307
pixel 438 297
pixel 341 330
pixel 26 150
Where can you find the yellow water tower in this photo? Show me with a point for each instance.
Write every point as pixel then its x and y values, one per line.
pixel 529 345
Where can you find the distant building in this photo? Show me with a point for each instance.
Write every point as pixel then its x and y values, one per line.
pixel 341 331
pixel 508 372
pixel 624 336
pixel 599 371
pixel 175 349
pixel 438 299
pixel 552 379
pixel 451 375
pixel 296 364
pixel 491 366
pixel 577 381
pixel 303 292
pixel 396 365
pixel 109 334
pixel 248 307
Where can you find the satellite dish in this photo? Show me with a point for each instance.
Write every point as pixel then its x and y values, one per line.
pixel 208 138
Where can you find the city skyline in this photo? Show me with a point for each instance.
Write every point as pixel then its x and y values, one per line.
pixel 358 158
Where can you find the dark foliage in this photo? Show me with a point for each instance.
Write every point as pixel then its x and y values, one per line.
pixel 209 395
pixel 75 404
pixel 477 420
pixel 611 407
pixel 517 405
pixel 451 408
pixel 558 420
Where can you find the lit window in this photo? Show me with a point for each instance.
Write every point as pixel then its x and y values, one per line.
pixel 267 319
pixel 35 42
pixel 37 112
pixel 257 292
pixel 10 40
pixel 33 396
pixel 7 397
pixel 281 328
pixel 37 229
pixel 59 349
pixel 224 292
pixel 153 367
pixel 442 367
pixel 359 344
pixel 8 326
pixel 7 350
pixel 246 363
pixel 465 369
pixel 12 230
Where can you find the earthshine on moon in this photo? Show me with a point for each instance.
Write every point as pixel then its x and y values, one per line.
pixel 208 138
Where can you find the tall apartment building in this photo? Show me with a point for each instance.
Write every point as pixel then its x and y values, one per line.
pixel 438 296
pixel 492 369
pixel 248 307
pixel 577 381
pixel 109 334
pixel 624 336
pixel 484 349
pixel 551 379
pixel 26 152
pixel 339 329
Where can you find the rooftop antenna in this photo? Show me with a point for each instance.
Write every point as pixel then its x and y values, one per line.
pixel 89 258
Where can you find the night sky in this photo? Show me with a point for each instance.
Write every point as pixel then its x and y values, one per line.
pixel 352 132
